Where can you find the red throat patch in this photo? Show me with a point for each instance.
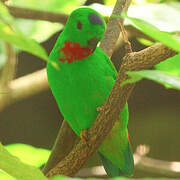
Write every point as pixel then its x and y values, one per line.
pixel 72 51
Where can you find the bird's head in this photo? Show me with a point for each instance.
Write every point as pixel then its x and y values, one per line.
pixel 84 29
pixel 85 26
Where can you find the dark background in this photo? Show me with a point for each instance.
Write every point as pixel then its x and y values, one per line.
pixel 154 114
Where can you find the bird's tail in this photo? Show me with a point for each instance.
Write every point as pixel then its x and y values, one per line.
pixel 115 152
pixel 126 167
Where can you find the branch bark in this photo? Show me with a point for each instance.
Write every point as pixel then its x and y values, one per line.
pixel 115 103
pixel 113 30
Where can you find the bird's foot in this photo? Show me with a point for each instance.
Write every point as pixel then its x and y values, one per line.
pixel 100 108
pixel 84 136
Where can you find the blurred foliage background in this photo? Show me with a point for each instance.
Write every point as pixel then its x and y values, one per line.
pixel 154 110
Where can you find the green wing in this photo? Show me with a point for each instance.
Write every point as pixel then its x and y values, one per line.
pixel 112 69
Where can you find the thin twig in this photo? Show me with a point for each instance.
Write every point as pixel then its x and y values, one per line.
pixel 26 13
pixel 127 44
pixel 7 74
pixel 9 69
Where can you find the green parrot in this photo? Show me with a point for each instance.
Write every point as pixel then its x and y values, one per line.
pixel 82 83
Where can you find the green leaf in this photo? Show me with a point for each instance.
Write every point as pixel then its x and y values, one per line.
pixel 29 154
pixel 168 80
pixel 14 167
pixel 150 30
pixel 145 42
pixel 42 30
pixel 171 65
pixel 5 176
pixel 163 16
pixel 38 30
pixel 110 2
pixel 4 14
pixel 6 17
pixel 24 43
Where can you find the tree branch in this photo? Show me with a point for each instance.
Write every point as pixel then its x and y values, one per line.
pixel 113 28
pixel 37 15
pixel 24 87
pixel 76 159
pixel 127 44
pixel 115 103
pixel 4 1
pixel 63 145
pixel 148 57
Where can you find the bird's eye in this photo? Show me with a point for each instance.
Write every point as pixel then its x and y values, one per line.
pixel 79 25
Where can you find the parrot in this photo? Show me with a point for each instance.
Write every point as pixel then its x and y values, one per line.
pixel 82 83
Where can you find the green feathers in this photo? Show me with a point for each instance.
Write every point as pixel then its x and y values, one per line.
pixel 83 82
pixel 79 88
